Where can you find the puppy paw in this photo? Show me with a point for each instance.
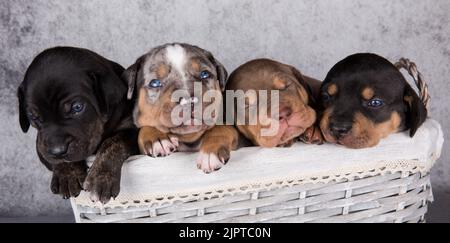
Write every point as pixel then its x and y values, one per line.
pixel 102 184
pixel 210 161
pixel 162 147
pixel 312 135
pixel 287 144
pixel 68 179
pixel 157 144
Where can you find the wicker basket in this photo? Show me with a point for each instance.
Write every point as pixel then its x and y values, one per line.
pixel 305 183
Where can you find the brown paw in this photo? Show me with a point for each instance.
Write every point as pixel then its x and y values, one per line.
pixel 287 144
pixel 213 160
pixel 312 135
pixel 68 179
pixel 154 143
pixel 102 184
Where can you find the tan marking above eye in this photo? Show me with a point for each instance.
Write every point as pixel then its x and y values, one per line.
pixel 279 83
pixel 332 89
pixel 368 93
pixel 162 71
pixel 195 64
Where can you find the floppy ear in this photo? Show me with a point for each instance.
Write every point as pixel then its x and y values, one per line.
pixel 306 86
pixel 222 74
pixel 118 69
pixel 109 88
pixel 23 118
pixel 130 76
pixel 98 90
pixel 416 112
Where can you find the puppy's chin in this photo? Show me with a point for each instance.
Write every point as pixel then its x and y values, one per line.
pixel 69 158
pixel 364 133
pixel 353 141
pixel 77 151
pixel 358 142
pixel 290 134
pixel 284 137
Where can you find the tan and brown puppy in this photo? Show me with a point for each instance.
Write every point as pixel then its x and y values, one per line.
pixel 295 103
pixel 177 85
pixel 366 98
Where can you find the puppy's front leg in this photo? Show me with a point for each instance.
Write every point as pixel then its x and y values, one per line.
pixel 68 178
pixel 312 135
pixel 155 143
pixel 217 144
pixel 103 180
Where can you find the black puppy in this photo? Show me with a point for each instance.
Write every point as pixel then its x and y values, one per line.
pixel 365 98
pixel 78 103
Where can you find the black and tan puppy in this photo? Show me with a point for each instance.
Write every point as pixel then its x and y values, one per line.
pixel 78 103
pixel 295 105
pixel 366 98
pixel 174 76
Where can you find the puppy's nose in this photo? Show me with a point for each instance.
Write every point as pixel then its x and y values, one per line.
pixel 340 129
pixel 58 150
pixel 285 113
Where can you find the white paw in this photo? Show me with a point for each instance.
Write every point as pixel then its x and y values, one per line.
pixel 209 162
pixel 164 147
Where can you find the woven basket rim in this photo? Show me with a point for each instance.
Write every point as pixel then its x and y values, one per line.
pixel 158 200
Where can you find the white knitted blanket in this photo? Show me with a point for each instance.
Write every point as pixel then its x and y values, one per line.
pixel 160 181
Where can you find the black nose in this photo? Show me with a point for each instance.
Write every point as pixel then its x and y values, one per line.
pixel 340 129
pixel 58 150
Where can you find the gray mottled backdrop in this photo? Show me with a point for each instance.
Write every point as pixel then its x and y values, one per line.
pixel 310 34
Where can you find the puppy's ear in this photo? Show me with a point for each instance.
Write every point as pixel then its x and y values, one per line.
pixel 306 86
pixel 118 69
pixel 98 90
pixel 222 74
pixel 130 76
pixel 109 88
pixel 23 118
pixel 416 112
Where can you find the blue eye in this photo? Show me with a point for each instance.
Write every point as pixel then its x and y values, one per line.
pixel 204 75
pixel 77 107
pixel 375 103
pixel 155 83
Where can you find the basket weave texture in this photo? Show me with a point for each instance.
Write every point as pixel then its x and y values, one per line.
pixel 394 198
pixel 304 183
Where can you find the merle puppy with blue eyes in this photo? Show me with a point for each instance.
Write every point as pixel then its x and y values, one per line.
pixel 172 83
pixel 366 98
pixel 78 103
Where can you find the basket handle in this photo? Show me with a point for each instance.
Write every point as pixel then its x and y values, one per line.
pixel 418 79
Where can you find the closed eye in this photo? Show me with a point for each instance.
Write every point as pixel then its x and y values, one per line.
pixel 286 86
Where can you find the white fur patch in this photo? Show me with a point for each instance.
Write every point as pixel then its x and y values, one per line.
pixel 176 55
pixel 209 162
